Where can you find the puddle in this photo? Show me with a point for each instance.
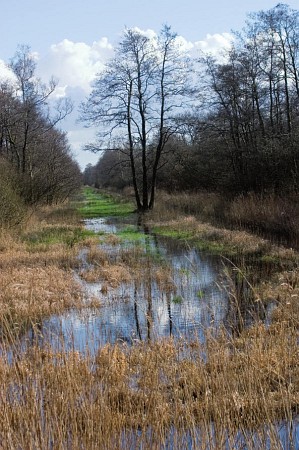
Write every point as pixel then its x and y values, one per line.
pixel 100 225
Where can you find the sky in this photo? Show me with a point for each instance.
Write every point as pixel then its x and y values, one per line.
pixel 72 39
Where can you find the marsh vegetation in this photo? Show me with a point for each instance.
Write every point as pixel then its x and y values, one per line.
pixel 225 387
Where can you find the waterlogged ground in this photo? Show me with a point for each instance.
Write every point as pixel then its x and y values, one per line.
pixel 235 392
pixel 181 292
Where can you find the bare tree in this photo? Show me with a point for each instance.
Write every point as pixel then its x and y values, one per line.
pixel 134 103
pixel 33 96
pixel 253 102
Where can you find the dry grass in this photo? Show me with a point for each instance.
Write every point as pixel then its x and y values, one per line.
pixel 113 275
pixel 127 264
pixel 231 243
pixel 226 393
pixel 37 280
pixel 34 292
pixel 150 391
pixel 56 255
pixel 97 255
pixel 284 292
pixel 267 213
pixel 164 278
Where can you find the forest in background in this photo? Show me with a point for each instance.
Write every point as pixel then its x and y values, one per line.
pixel 241 135
pixel 36 164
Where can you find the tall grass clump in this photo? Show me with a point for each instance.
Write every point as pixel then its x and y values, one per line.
pixel 37 269
pixel 267 213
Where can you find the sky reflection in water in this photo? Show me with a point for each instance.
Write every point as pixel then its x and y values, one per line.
pixel 142 311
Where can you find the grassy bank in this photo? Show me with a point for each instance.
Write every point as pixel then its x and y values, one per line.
pixel 233 244
pixel 269 215
pixel 95 204
pixel 227 393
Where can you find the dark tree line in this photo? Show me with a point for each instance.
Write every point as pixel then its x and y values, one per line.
pixel 41 167
pixel 243 134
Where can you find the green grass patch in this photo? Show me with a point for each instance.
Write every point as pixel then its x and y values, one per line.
pixel 200 294
pixel 175 234
pixel 132 234
pixel 177 299
pixel 208 244
pixel 56 235
pixel 271 259
pixel 217 248
pixel 96 204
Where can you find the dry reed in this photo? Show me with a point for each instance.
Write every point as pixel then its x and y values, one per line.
pixel 267 213
pixel 228 392
pixel 37 280
pixel 151 391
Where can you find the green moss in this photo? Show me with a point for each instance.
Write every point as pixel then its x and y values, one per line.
pixel 271 259
pixel 177 299
pixel 277 263
pixel 217 248
pixel 200 294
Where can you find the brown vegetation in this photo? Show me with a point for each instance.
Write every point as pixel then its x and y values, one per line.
pixel 37 279
pixel 141 393
pixel 269 215
pixel 205 395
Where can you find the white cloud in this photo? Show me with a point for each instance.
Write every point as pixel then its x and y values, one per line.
pixel 184 45
pixel 215 44
pixel 151 34
pixel 5 73
pixel 75 63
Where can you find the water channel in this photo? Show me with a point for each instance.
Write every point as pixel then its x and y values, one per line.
pixel 190 300
pixel 196 300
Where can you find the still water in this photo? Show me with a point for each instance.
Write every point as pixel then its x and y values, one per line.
pixel 194 299
pixel 199 297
